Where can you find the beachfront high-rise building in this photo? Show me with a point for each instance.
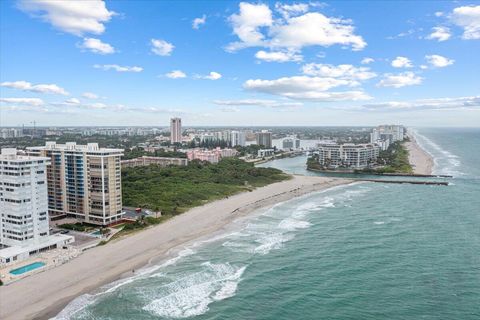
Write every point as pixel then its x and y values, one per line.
pixel 264 138
pixel 24 228
pixel 237 138
pixel 385 135
pixel 84 181
pixel 348 155
pixel 175 130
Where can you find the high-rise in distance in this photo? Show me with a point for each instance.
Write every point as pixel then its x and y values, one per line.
pixel 175 130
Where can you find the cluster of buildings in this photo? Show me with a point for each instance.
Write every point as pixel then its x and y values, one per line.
pixel 120 131
pixel 290 143
pixel 9 133
pixel 385 135
pixel 332 155
pixel 24 207
pixel 52 182
pixel 160 161
pixel 212 156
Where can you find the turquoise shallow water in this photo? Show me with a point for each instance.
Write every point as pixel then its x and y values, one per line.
pixel 363 251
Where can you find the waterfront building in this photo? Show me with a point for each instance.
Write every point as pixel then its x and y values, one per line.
pixel 290 143
pixel 348 155
pixel 160 161
pixel 264 138
pixel 385 135
pixel 24 223
pixel 84 181
pixel 265 153
pixel 175 130
pixel 212 156
pixel 238 138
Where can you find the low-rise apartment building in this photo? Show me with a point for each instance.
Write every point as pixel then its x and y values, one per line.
pixel 160 161
pixel 212 156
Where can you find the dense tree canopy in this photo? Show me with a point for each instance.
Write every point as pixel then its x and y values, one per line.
pixel 175 189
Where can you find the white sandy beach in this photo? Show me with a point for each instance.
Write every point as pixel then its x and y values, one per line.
pixel 420 160
pixel 43 295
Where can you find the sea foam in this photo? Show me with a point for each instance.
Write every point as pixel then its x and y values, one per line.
pixel 190 295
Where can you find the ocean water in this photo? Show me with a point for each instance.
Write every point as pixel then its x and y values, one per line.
pixel 362 251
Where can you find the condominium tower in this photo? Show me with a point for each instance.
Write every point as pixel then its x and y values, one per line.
pixel 175 130
pixel 237 138
pixel 84 181
pixel 348 155
pixel 264 138
pixel 24 221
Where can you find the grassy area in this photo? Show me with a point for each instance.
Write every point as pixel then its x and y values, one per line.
pixel 173 190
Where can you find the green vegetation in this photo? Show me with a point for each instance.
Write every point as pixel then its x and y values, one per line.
pixel 74 226
pixel 394 159
pixel 174 190
pixel 312 163
pixel 1 283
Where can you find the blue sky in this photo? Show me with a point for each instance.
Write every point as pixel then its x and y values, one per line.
pixel 239 63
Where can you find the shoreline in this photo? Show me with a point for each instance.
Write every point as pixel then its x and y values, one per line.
pixel 105 264
pixel 420 160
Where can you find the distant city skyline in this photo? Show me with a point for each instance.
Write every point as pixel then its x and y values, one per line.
pixel 216 63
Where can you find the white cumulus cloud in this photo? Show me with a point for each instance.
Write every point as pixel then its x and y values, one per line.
pixel 255 26
pixel 440 34
pixel 90 95
pixel 97 46
pixel 176 74
pixel 438 61
pixel 287 10
pixel 75 17
pixel 74 101
pixel 161 47
pixel 197 22
pixel 258 102
pixel 25 101
pixel 400 80
pixel 467 17
pixel 402 62
pixel 367 60
pixel 278 56
pixel 342 71
pixel 211 76
pixel 306 88
pixel 42 88
pixel 116 67
pixel 466 103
